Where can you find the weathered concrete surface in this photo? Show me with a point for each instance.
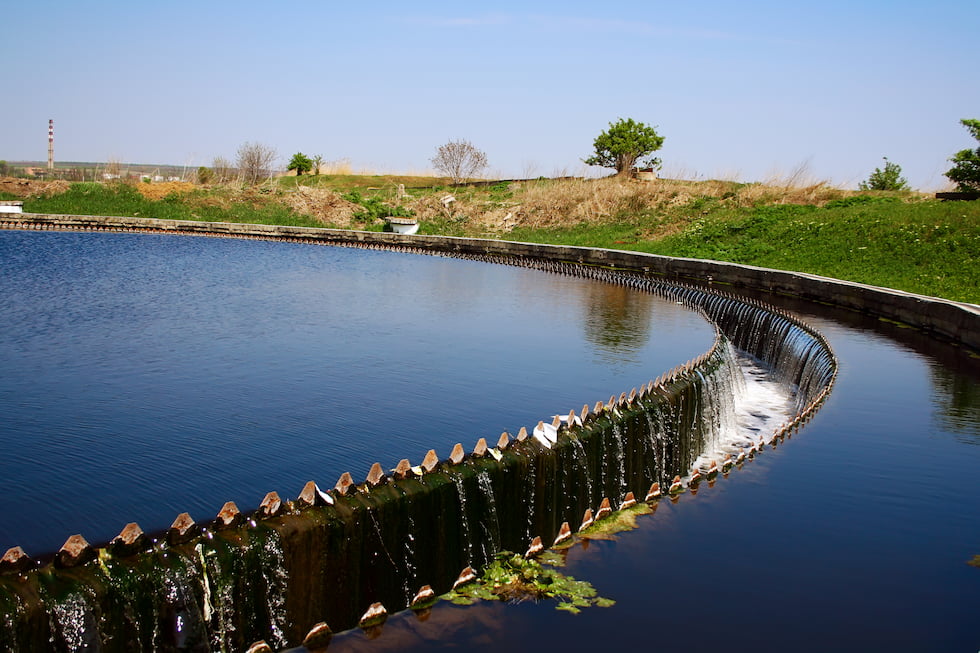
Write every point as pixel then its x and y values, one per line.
pixel 955 321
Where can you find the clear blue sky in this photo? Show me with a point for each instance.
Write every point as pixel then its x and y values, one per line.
pixel 740 90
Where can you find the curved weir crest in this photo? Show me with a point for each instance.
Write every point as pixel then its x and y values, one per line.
pixel 328 556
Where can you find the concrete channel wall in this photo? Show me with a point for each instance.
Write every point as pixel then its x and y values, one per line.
pixel 948 320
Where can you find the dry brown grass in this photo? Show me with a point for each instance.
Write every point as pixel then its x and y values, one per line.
pixel 339 167
pixel 32 187
pixel 325 205
pixel 322 204
pixel 602 200
pixel 549 203
pixel 429 207
pixel 573 200
pixel 160 190
pixel 796 187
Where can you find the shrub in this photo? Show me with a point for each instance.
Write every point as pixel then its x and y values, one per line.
pixel 624 145
pixel 300 163
pixel 857 200
pixel 966 169
pixel 255 162
pixel 889 178
pixel 374 208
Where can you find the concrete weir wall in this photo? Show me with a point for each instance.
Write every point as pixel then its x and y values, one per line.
pixel 331 553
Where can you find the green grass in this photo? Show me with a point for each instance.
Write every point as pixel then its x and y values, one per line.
pixel 363 183
pixel 125 200
pixel 352 182
pixel 926 247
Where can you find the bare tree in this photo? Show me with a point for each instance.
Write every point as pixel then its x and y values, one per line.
pixel 459 160
pixel 255 162
pixel 222 169
pixel 113 169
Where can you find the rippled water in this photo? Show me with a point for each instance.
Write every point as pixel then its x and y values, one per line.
pixel 144 375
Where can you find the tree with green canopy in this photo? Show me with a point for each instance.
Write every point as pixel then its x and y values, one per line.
pixel 966 169
pixel 300 163
pixel 889 178
pixel 624 145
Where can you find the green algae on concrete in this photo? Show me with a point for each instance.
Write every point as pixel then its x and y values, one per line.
pixel 514 578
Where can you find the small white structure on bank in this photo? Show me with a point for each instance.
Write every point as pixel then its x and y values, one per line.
pixel 403 225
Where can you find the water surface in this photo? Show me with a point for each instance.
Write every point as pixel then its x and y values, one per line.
pixel 148 375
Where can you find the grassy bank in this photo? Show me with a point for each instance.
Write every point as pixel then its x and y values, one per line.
pixel 927 247
pixel 89 198
pixel 896 240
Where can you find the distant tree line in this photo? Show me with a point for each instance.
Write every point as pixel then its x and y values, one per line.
pixel 626 146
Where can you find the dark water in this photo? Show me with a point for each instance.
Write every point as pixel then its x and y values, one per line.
pixel 144 376
pixel 854 535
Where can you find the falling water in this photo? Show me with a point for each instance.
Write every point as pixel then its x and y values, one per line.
pixel 220 585
pixel 746 404
pixel 275 581
pixel 490 524
pixel 655 443
pixel 12 611
pixel 618 455
pixel 180 615
pixel 73 621
pixel 531 500
pixel 410 578
pixel 580 461
pixel 464 522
